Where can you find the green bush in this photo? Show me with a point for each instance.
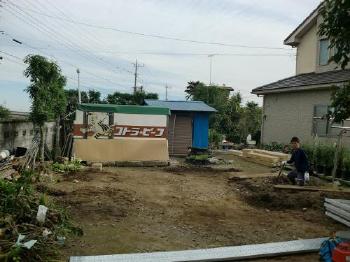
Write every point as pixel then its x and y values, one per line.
pixel 277 147
pixel 72 166
pixel 19 203
pixel 215 137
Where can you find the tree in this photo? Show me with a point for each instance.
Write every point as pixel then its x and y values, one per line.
pixel 227 118
pixel 130 99
pixel 336 27
pixel 341 103
pixel 250 121
pixel 46 92
pixel 4 112
pixel 94 97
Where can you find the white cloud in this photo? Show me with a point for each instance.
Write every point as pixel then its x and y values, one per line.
pixel 254 23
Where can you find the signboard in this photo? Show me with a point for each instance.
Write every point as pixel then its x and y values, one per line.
pixel 106 131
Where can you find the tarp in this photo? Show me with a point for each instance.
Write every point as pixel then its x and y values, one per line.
pixel 126 109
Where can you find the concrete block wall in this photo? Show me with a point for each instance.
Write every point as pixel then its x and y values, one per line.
pixel 19 133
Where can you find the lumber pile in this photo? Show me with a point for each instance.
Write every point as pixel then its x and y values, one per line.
pixel 338 209
pixel 235 152
pixel 264 157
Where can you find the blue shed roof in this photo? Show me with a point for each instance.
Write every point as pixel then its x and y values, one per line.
pixel 196 106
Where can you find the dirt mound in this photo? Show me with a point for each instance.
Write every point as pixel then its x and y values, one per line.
pixel 86 176
pixel 261 193
pixel 50 191
pixel 99 203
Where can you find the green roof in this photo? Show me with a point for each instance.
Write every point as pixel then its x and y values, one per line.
pixel 124 109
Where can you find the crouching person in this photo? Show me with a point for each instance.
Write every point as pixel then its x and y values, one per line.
pixel 299 159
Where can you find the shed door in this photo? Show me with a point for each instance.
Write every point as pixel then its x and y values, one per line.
pixel 180 134
pixel 200 130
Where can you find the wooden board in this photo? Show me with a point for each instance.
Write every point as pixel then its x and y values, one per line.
pixel 263 157
pixel 310 188
pixel 246 152
pixel 281 156
pixel 235 253
pixel 251 175
pixel 235 152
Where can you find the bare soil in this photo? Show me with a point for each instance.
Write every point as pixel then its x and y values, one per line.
pixel 127 210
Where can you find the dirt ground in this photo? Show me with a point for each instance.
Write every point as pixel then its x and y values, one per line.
pixel 127 210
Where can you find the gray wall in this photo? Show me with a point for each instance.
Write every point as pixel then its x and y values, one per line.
pixel 19 133
pixel 290 114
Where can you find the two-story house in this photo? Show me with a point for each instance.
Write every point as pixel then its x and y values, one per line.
pixel 298 105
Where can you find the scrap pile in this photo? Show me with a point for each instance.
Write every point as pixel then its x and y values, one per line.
pixel 7 170
pixel 264 157
pixel 338 209
pixel 32 227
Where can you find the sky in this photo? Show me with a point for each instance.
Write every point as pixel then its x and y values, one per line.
pixel 104 39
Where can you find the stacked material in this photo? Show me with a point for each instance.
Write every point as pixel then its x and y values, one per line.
pixel 338 209
pixel 264 157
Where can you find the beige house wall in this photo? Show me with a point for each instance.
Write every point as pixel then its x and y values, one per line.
pixel 290 114
pixel 121 149
pixel 306 52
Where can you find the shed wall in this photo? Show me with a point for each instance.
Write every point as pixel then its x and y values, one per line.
pixel 180 133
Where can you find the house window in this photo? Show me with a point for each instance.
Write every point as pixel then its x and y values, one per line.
pixel 322 125
pixel 324 51
pixel 24 132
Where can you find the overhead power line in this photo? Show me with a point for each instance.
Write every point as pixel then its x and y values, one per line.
pixel 14 56
pixel 52 33
pixel 67 63
pixel 110 28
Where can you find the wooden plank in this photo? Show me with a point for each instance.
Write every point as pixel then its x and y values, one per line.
pixel 251 175
pixel 235 152
pixel 337 218
pixel 260 162
pixel 246 152
pixel 265 160
pixel 263 157
pixel 281 156
pixel 310 188
pixel 236 253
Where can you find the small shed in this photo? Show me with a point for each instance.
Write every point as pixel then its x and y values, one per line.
pixel 188 124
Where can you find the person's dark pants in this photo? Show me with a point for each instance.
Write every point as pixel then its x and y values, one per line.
pixel 296 177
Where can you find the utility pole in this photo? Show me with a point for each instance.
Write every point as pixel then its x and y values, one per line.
pixel 79 95
pixel 166 92
pixel 136 74
pixel 211 64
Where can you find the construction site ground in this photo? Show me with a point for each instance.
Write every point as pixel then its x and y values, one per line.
pixel 129 210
